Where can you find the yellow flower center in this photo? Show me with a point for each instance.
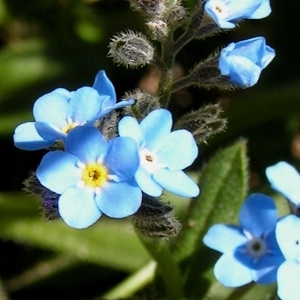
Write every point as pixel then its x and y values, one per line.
pixel 68 127
pixel 94 175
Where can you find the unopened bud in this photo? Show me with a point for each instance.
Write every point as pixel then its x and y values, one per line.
pixel 204 122
pixel 151 8
pixel 158 29
pixel 155 219
pixel 131 49
pixel 144 103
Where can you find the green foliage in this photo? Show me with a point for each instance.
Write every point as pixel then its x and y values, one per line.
pixel 48 44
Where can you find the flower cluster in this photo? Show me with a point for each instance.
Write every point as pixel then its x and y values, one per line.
pixel 263 248
pixel 250 251
pixel 94 174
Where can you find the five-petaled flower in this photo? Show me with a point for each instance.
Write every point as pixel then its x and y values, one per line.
pixel 226 13
pixel 243 61
pixel 163 154
pixel 285 179
pixel 288 275
pixel 250 251
pixel 93 176
pixel 59 111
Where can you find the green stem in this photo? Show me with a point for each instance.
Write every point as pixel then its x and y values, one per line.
pixel 133 283
pixel 166 73
pixel 167 268
pixel 182 83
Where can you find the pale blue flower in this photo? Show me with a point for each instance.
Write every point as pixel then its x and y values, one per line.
pixel 285 179
pixel 163 154
pixel 250 251
pixel 92 176
pixel 244 61
pixel 226 13
pixel 59 111
pixel 288 276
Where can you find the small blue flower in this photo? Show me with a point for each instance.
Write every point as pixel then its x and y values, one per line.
pixel 226 13
pixel 285 179
pixel 92 176
pixel 163 154
pixel 59 111
pixel 250 251
pixel 288 276
pixel 244 61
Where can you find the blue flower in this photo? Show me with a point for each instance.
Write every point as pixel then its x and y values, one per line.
pixel 244 61
pixel 92 176
pixel 59 111
pixel 226 13
pixel 163 154
pixel 250 251
pixel 288 276
pixel 285 179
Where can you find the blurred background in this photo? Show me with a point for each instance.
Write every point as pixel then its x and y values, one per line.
pixel 63 43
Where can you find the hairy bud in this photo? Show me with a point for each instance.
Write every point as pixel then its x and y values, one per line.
pixel 203 123
pixel 158 29
pixel 131 49
pixel 155 219
pixel 151 8
pixel 144 103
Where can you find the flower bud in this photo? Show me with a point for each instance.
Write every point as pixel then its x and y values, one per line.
pixel 131 49
pixel 155 219
pixel 144 103
pixel 158 29
pixel 203 123
pixel 243 62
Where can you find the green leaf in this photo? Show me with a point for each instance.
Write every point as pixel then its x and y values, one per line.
pixel 101 243
pixel 223 183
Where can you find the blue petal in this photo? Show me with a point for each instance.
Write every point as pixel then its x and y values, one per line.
pixel 87 143
pixel 85 104
pixel 119 200
pixel 265 269
pixel 176 182
pixel 177 150
pixel 58 171
pixel 235 10
pixel 224 238
pixel 262 11
pixel 156 125
pixel 288 237
pixel 48 133
pixel 27 138
pixel 108 106
pixel 258 214
pixel 147 184
pixel 288 281
pixel 243 71
pixel 78 208
pixel 230 272
pixel 122 158
pixel 104 86
pixel 52 108
pixel 285 179
pixel 128 126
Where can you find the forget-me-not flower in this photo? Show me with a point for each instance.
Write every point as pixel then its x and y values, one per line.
pixel 250 251
pixel 243 61
pixel 93 176
pixel 163 154
pixel 288 276
pixel 226 13
pixel 59 111
pixel 285 179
